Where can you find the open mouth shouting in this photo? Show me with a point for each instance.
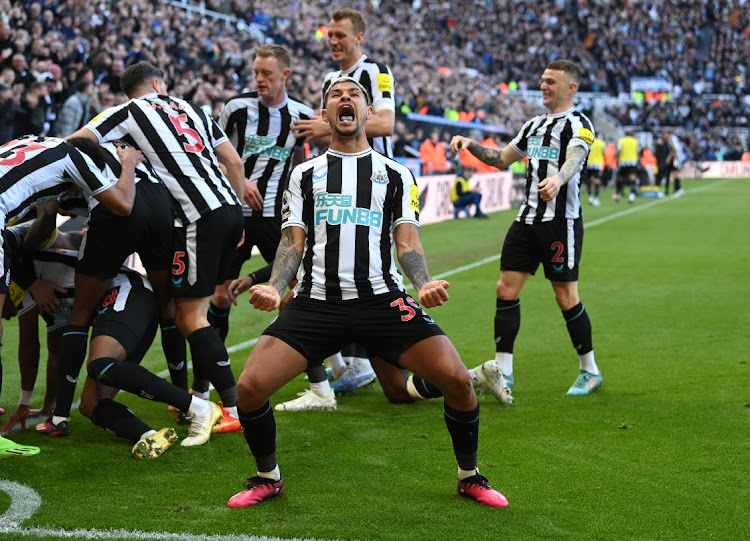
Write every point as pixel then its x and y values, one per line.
pixel 346 114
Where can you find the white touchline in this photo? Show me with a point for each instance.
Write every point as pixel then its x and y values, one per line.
pixel 25 501
pixel 249 343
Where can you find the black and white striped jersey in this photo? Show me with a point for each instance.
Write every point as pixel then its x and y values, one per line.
pixel 76 204
pixel 178 140
pixel 679 152
pixel 545 140
pixel 377 79
pixel 262 135
pixel 143 171
pixel 57 267
pixel 349 204
pixel 34 170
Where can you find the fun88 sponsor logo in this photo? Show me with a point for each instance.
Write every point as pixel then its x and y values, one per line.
pixel 536 150
pixel 337 209
pixel 262 144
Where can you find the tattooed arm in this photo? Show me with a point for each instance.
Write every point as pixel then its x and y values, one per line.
pixel 285 265
pixel 411 257
pixel 288 257
pixel 550 186
pixel 502 159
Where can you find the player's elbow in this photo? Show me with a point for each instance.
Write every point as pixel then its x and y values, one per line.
pixel 234 162
pixel 228 157
pixel 120 207
pixel 122 211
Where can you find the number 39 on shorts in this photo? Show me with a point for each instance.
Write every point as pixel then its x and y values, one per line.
pixel 407 312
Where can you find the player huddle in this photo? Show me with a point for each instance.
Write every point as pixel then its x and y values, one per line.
pixel 193 196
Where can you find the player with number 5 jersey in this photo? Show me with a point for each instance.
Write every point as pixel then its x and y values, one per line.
pixel 187 149
pixel 179 141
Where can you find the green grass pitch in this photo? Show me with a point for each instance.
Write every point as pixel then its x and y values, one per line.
pixel 659 452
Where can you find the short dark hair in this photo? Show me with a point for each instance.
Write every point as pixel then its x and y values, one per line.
pixel 138 74
pixel 338 80
pixel 358 21
pixel 567 66
pixel 91 149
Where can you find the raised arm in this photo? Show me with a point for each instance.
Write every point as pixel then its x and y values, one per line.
pixel 500 158
pixel 85 133
pixel 120 197
pixel 315 129
pixel 411 257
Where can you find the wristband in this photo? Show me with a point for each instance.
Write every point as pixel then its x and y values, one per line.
pixel 253 277
pixel 26 397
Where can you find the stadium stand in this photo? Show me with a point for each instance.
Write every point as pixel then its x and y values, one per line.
pixel 463 67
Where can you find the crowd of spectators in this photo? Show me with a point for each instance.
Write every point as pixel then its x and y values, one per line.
pixel 60 60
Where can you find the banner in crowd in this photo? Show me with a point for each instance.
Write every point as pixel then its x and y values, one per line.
pixel 435 195
pixel 716 170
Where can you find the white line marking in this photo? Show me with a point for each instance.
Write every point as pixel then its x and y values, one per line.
pixel 242 345
pixel 137 534
pixel 463 268
pixel 25 501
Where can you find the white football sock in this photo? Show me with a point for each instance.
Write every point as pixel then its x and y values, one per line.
pixel 337 364
pixel 56 419
pixel 505 360
pixel 474 378
pixel 322 388
pixel 198 406
pixel 588 364
pixel 204 396
pixel 274 474
pixel 360 366
pixel 147 433
pixel 464 474
pixel 233 412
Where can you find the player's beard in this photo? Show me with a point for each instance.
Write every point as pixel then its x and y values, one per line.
pixel 349 132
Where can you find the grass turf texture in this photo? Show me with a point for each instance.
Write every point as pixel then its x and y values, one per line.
pixel 659 452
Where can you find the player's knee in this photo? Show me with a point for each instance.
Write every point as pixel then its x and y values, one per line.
pixel 504 291
pixel 220 298
pixel 458 389
pixel 250 395
pixel 398 397
pixel 395 393
pixel 566 298
pixel 97 369
pixel 88 404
